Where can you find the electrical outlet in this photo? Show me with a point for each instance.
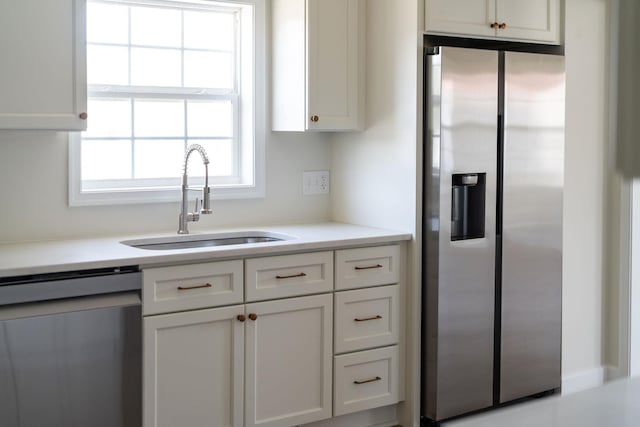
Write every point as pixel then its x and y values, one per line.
pixel 315 182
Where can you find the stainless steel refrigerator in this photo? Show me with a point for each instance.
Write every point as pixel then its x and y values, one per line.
pixel 493 179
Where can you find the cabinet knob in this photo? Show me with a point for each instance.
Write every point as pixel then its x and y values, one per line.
pixel 502 26
pixel 253 316
pixel 241 317
pixel 83 116
pixel 494 25
pixel 315 118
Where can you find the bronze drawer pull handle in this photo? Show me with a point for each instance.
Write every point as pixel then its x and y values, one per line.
pixel 367 381
pixel 188 288
pixel 253 316
pixel 494 25
pixel 502 26
pixel 241 317
pixel 292 276
pixel 368 267
pixel 368 318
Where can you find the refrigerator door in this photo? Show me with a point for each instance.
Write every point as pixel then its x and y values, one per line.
pixel 532 225
pixel 459 267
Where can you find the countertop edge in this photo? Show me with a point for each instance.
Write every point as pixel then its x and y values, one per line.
pixel 56 256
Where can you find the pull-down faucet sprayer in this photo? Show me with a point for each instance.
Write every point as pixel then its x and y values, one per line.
pixel 186 216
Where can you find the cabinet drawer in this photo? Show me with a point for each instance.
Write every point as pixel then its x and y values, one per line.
pixel 367 318
pixel 187 287
pixel 288 275
pixel 365 380
pixel 357 268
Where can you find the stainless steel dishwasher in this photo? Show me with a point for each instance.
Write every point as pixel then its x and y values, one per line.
pixel 70 349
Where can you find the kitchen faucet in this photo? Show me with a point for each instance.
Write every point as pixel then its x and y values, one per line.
pixel 186 216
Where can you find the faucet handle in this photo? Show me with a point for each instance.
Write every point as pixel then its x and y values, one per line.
pixel 194 216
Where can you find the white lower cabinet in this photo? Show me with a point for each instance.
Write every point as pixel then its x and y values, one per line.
pixel 366 377
pixel 199 365
pixel 365 380
pixel 271 363
pixel 193 369
pixel 288 362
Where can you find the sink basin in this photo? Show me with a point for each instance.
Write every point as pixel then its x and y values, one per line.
pixel 206 240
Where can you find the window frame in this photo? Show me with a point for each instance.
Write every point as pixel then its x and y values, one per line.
pixel 250 124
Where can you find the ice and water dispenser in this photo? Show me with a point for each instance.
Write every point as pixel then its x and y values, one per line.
pixel 467 205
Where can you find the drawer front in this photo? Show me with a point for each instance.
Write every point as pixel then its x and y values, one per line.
pixel 367 318
pixel 288 275
pixel 357 268
pixel 365 380
pixel 188 287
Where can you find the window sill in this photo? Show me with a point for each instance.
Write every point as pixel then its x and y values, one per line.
pixel 130 197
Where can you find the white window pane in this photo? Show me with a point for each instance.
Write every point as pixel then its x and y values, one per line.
pixel 208 69
pixel 109 118
pixel 107 65
pixel 210 118
pixel 158 158
pixel 159 118
pixel 106 159
pixel 107 23
pixel 152 26
pixel 221 158
pixel 155 67
pixel 209 30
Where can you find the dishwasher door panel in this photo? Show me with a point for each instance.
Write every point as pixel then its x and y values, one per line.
pixel 72 369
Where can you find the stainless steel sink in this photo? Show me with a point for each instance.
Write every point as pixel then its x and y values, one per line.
pixel 206 240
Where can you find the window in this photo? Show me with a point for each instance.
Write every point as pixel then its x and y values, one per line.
pixel 163 75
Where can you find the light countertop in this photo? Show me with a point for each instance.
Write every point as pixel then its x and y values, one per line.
pixel 54 256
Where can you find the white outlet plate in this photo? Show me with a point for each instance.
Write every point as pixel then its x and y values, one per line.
pixel 315 182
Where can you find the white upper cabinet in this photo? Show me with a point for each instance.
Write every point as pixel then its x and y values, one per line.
pixel 519 20
pixel 43 72
pixel 318 60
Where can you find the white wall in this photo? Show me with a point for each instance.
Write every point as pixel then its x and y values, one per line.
pixel 33 191
pixel 374 172
pixel 586 169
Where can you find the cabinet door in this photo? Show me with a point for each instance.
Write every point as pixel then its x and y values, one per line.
pixel 529 19
pixel 288 361
pixel 466 17
pixel 43 72
pixel 318 64
pixel 193 369
pixel 334 58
